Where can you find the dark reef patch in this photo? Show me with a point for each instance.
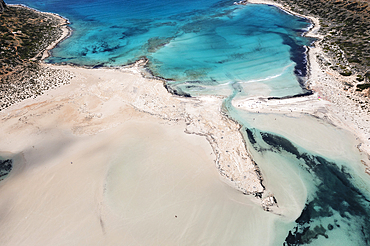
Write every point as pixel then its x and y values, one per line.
pixel 155 43
pixel 304 94
pixel 298 56
pixel 250 135
pixel 280 143
pixel 335 204
pixel 103 46
pixel 133 31
pixel 6 167
pixel 176 91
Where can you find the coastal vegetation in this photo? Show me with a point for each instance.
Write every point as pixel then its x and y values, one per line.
pixel 24 35
pixel 2 6
pixel 344 24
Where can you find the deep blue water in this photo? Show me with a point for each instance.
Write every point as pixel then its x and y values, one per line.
pixel 215 47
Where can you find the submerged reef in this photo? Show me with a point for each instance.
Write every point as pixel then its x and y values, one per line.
pixel 335 203
pixel 5 167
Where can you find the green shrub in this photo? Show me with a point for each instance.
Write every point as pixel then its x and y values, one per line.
pixel 346 73
pixel 361 87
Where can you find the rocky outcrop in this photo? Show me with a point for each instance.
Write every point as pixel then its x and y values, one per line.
pixel 2 6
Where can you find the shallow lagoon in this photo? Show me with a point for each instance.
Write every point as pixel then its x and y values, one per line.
pixel 212 47
pixel 217 41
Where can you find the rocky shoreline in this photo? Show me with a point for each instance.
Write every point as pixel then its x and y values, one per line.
pixel 2 6
pixel 344 62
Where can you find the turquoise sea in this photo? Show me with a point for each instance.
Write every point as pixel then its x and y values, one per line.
pixel 218 48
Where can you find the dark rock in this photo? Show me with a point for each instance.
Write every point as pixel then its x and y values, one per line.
pixel 2 6
pixel 251 137
pixel 361 87
pixel 176 91
pixel 367 75
pixel 5 167
pixel 305 93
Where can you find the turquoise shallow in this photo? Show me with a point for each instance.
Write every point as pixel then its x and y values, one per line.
pixel 218 48
pixel 217 41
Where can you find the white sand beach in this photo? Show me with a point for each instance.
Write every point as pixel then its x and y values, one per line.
pixel 95 158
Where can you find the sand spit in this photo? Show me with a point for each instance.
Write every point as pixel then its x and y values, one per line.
pixel 94 101
pixel 202 116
